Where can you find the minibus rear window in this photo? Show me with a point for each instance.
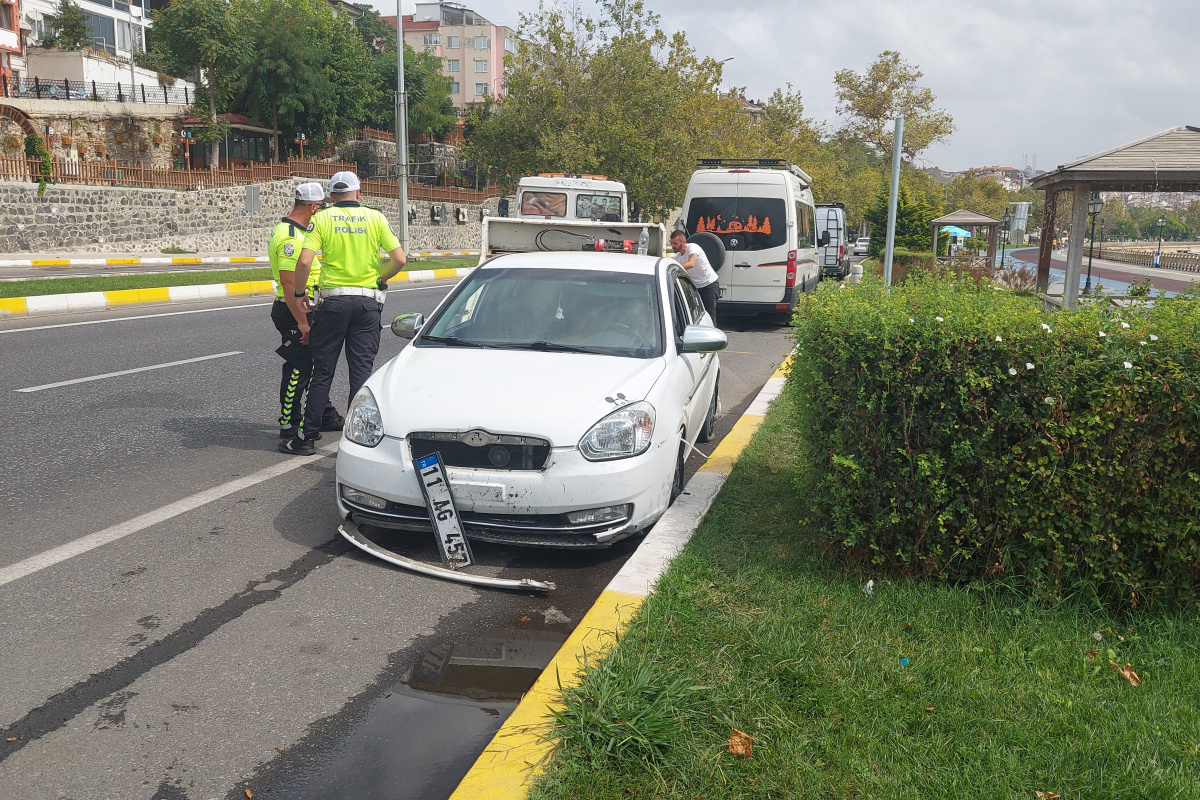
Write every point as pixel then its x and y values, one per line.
pixel 742 223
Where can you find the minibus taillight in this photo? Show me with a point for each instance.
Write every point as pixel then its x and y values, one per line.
pixel 791 269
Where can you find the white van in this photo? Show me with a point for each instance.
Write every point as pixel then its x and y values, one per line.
pixel 833 253
pixel 761 212
pixel 558 196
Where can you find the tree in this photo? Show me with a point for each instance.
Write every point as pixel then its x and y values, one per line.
pixel 888 88
pixel 614 95
pixel 914 221
pixel 430 106
pixel 70 29
pixel 208 40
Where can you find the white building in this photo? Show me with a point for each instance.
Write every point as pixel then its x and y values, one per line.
pixel 117 27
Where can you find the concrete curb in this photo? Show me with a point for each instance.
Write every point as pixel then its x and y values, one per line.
pixel 139 261
pixel 40 305
pixel 514 756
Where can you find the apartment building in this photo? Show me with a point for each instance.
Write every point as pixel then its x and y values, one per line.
pixel 10 39
pixel 471 47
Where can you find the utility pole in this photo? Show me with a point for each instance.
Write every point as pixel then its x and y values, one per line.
pixel 401 129
pixel 889 251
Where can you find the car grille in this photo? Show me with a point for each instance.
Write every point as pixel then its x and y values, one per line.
pixel 481 450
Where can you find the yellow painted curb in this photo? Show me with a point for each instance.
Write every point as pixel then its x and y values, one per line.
pixel 122 261
pixel 14 305
pixel 128 297
pixel 445 273
pixel 243 260
pixel 785 367
pixel 51 262
pixel 249 287
pixel 504 768
pixel 399 276
pixel 727 452
pixel 186 260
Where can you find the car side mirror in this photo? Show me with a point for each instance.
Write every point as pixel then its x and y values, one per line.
pixel 824 240
pixel 406 326
pixel 703 339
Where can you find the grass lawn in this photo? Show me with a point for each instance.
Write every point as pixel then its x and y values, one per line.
pixel 106 283
pixel 918 690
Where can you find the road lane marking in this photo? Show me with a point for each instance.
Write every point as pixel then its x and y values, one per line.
pixel 127 372
pixel 177 313
pixel 84 544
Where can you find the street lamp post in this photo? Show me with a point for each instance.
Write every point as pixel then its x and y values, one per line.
pixel 1095 206
pixel 1162 223
pixel 401 132
pixel 1005 221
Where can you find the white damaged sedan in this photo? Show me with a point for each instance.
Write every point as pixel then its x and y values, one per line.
pixel 562 392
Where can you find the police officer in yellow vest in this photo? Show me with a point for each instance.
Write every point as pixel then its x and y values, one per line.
pixel 350 295
pixel 292 322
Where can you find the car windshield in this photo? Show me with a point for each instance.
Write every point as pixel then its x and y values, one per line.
pixel 598 206
pixel 551 310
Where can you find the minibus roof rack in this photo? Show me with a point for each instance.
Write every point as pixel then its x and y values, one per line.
pixel 755 163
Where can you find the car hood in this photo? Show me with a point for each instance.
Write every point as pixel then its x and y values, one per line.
pixel 554 396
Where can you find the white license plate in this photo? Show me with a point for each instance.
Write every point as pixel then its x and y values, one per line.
pixel 447 525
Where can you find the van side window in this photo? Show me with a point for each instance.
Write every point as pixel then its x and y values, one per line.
pixel 805 229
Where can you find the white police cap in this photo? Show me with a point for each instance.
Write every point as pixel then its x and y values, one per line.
pixel 344 182
pixel 310 192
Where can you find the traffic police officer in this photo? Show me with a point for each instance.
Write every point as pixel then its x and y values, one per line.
pixel 350 295
pixel 287 240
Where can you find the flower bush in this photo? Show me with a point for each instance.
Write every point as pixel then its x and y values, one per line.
pixel 960 431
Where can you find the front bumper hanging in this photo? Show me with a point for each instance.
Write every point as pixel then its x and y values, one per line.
pixel 350 532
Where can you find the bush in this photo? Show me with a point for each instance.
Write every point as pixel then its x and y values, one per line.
pixel 964 433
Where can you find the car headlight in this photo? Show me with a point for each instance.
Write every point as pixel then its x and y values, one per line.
pixel 623 433
pixel 364 423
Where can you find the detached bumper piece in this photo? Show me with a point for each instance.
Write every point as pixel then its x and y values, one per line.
pixel 350 532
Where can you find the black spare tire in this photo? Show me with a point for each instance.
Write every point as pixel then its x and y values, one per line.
pixel 712 246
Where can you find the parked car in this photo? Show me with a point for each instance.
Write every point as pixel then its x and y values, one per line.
pixel 561 390
pixel 758 217
pixel 861 245
pixel 832 253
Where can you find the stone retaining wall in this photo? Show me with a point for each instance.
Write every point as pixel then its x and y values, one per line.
pixel 97 219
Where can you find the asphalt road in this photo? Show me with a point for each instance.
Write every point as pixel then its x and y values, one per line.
pixel 191 624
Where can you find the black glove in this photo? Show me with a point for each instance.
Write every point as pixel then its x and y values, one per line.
pixel 381 284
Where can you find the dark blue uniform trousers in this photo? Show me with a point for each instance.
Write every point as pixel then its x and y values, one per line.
pixel 347 321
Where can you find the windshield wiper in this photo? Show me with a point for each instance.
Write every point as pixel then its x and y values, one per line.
pixel 452 341
pixel 555 347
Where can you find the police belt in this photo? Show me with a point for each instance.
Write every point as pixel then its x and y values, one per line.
pixel 343 291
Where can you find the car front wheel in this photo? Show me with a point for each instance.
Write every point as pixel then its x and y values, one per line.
pixel 680 467
pixel 710 421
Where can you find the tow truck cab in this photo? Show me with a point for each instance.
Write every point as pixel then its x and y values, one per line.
pixel 552 196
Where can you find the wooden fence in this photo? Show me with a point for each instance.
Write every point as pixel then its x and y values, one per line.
pixel 115 173
pixel 1188 262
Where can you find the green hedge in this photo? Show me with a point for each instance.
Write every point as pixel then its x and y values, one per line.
pixel 966 433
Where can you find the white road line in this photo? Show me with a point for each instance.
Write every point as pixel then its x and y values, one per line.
pixel 84 544
pixel 127 372
pixel 193 311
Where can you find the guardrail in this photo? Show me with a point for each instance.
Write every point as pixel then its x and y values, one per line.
pixel 117 173
pixel 1187 262
pixel 95 91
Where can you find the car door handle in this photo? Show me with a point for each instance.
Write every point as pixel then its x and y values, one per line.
pixel 743 266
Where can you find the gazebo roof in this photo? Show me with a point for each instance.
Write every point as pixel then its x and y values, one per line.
pixel 1168 161
pixel 966 219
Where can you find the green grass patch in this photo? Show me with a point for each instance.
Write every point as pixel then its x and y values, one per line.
pixel 108 283
pixel 753 627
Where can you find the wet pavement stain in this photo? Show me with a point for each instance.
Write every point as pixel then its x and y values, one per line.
pixel 420 737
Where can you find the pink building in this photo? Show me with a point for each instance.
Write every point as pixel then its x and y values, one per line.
pixel 472 48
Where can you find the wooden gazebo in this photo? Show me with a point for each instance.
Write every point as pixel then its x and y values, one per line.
pixel 1165 162
pixel 969 219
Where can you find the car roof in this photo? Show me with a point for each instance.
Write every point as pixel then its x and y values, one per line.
pixel 601 262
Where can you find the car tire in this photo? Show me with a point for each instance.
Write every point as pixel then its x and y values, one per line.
pixel 710 421
pixel 680 471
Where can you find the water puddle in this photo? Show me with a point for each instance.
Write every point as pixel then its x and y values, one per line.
pixel 420 738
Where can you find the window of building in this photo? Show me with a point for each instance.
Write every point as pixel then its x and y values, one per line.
pixel 480 65
pixel 6 17
pixel 122 30
pixel 509 45
pixel 452 65
pixel 481 90
pixel 103 31
pixel 455 88
pixel 453 42
pixel 432 38
pixel 481 43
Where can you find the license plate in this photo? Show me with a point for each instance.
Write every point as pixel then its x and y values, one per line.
pixel 447 525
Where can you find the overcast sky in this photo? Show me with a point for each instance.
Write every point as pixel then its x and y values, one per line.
pixel 1051 79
